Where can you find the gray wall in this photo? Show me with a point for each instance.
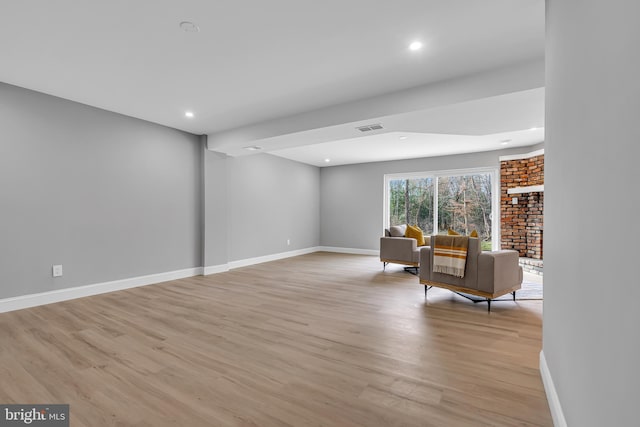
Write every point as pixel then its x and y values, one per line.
pixel 352 196
pixel 270 200
pixel 216 209
pixel 592 287
pixel 107 196
pixel 111 197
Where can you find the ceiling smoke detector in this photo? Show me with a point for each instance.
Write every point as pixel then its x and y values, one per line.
pixel 369 128
pixel 253 148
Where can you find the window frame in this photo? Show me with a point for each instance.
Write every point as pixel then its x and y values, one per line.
pixel 435 175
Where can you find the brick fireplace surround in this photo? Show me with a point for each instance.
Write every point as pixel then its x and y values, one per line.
pixel 522 177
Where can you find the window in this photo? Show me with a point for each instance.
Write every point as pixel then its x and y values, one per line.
pixel 461 200
pixel 411 202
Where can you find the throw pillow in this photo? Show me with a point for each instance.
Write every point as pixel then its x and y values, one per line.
pixel 397 230
pixel 451 232
pixel 416 233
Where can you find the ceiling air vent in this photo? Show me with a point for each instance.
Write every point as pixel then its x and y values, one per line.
pixel 369 128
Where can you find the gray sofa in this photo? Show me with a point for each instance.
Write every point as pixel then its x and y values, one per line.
pixel 397 249
pixel 488 274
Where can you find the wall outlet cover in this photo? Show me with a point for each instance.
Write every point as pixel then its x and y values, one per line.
pixel 57 270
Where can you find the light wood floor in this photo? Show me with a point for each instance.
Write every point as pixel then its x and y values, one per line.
pixel 317 340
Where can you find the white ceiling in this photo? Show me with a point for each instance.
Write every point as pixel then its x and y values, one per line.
pixel 389 146
pixel 254 60
pixel 506 121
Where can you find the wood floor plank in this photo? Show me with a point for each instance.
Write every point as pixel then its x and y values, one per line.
pixel 316 340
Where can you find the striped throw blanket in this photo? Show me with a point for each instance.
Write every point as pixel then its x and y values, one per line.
pixel 450 255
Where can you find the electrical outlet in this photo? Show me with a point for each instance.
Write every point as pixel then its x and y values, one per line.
pixel 288 242
pixel 514 200
pixel 57 270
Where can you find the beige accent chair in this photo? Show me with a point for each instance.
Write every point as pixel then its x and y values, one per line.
pixel 488 274
pixel 397 249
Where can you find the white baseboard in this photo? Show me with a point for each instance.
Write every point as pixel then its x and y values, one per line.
pixel 552 395
pixel 352 251
pixel 272 257
pixel 213 269
pixel 32 300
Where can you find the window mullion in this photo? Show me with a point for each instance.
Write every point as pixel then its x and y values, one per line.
pixel 436 180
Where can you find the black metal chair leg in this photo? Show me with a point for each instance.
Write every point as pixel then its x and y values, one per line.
pixel 488 304
pixel 514 295
pixel 384 266
pixel 412 270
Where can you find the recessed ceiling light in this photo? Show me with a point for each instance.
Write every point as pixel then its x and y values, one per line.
pixel 505 141
pixel 188 114
pixel 402 138
pixel 533 128
pixel 327 160
pixel 415 46
pixel 189 27
pixel 253 148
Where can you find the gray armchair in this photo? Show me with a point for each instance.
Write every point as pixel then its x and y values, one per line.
pixel 400 250
pixel 488 274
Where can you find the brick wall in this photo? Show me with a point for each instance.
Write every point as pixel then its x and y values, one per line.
pixel 522 224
